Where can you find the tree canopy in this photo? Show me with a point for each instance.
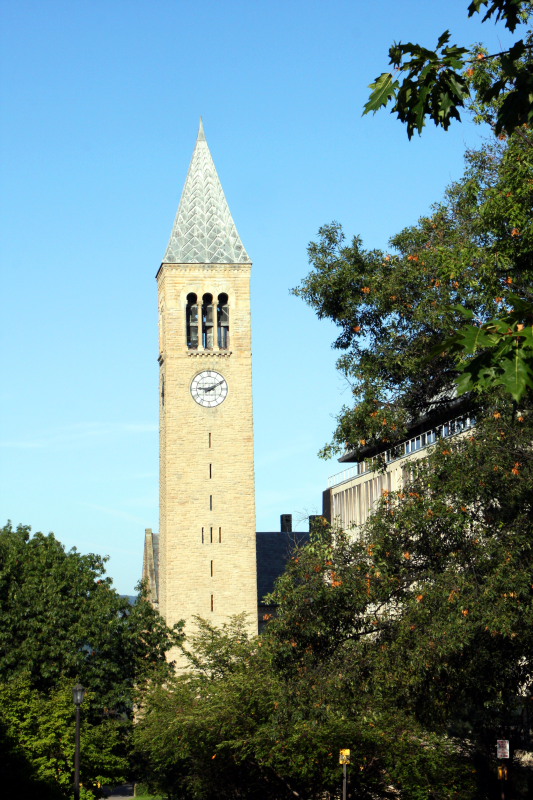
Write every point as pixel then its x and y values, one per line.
pixel 410 644
pixel 399 312
pixel 497 88
pixel 61 622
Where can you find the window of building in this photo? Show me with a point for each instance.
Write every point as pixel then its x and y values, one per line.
pixel 192 321
pixel 223 322
pixel 208 322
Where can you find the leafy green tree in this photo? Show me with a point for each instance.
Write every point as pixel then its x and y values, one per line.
pixel 437 83
pixel 266 718
pixel 427 616
pixel 411 644
pixel 62 622
pixel 470 255
pixel 498 89
pixel 194 736
pixel 60 617
pixel 41 730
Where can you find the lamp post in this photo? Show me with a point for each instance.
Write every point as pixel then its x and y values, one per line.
pixel 78 693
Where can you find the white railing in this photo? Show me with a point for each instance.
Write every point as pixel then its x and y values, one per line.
pixel 451 428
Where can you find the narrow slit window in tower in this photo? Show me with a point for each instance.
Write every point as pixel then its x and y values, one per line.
pixel 208 322
pixel 209 439
pixel 191 314
pixel 210 470
pixel 211 569
pixel 202 535
pixel 212 603
pixel 211 535
pixel 223 322
pixel 210 502
pixel 220 534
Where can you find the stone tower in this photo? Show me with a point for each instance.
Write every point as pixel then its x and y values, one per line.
pixel 207 549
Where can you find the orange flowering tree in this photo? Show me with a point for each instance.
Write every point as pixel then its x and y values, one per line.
pixel 399 312
pixel 497 89
pixel 426 618
pixel 410 644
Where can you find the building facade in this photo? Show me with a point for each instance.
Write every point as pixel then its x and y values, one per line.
pixel 353 493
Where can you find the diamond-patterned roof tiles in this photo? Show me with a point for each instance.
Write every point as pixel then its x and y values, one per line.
pixel 204 231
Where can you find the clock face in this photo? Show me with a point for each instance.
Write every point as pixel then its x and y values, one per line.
pixel 209 388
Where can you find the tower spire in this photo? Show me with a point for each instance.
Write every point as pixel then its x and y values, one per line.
pixel 204 231
pixel 201 132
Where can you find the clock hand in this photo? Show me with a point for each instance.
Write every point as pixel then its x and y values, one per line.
pixel 214 386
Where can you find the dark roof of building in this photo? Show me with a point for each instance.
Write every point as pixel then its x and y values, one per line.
pixel 274 549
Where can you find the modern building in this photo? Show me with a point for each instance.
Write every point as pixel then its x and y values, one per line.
pixel 353 493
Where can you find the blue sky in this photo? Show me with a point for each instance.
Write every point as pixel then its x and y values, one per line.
pixel 101 101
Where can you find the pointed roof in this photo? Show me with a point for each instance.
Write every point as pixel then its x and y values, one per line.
pixel 204 231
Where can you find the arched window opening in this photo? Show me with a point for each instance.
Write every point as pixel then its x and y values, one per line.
pixel 192 321
pixel 223 321
pixel 208 322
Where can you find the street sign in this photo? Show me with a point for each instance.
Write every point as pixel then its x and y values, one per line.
pixel 502 748
pixel 344 757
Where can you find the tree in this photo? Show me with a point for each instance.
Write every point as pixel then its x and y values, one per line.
pixel 60 617
pixel 62 622
pixel 427 615
pixel 498 89
pixel 410 643
pixel 38 732
pixel 195 735
pixel 471 255
pixel 439 82
pixel 353 658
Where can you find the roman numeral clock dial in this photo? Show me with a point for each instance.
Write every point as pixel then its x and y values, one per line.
pixel 209 388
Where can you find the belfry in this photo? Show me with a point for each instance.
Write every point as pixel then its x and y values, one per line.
pixel 204 560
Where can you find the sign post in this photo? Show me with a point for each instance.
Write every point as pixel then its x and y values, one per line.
pixel 502 751
pixel 344 759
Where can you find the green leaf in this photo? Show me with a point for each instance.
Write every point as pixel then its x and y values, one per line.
pixel 384 88
pixel 443 39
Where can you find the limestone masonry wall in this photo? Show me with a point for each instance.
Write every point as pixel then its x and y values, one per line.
pixel 207 545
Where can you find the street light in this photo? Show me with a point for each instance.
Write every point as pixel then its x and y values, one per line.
pixel 78 693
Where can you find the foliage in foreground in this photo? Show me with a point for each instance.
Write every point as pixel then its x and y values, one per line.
pixel 62 622
pixel 411 645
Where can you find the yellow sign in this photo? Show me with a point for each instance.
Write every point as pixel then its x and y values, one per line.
pixel 344 757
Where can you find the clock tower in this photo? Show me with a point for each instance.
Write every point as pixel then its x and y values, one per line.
pixel 207 548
